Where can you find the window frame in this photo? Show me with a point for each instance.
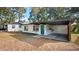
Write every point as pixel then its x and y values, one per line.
pixel 19 26
pixel 25 28
pixel 13 26
pixel 36 28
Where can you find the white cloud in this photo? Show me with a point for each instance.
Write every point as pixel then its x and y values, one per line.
pixel 25 18
pixel 16 20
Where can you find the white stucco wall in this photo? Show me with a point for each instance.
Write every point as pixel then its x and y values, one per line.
pixel 57 29
pixel 61 29
pixel 30 29
pixel 16 29
pixel 46 30
pixel 39 32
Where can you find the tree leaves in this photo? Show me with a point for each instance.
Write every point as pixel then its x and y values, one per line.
pixel 49 13
pixel 10 14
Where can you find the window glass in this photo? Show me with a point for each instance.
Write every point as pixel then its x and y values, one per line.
pixel 13 26
pixel 19 26
pixel 35 27
pixel 26 28
pixel 51 27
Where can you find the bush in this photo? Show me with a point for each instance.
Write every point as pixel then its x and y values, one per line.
pixel 75 29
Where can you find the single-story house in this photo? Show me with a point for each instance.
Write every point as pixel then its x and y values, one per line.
pixel 54 28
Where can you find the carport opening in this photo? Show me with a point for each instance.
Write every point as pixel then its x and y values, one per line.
pixel 58 32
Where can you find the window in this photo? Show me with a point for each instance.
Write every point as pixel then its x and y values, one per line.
pixel 35 28
pixel 13 26
pixel 51 27
pixel 26 28
pixel 19 26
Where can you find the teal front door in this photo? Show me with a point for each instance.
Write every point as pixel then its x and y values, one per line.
pixel 42 29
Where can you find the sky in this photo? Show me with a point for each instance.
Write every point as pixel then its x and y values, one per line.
pixel 27 13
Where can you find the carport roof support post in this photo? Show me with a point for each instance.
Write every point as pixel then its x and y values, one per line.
pixel 69 31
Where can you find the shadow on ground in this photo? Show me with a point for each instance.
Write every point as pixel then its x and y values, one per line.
pixel 30 42
pixel 29 38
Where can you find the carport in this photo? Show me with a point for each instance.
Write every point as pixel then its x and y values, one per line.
pixel 57 36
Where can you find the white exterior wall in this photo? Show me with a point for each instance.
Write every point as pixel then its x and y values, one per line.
pixel 30 29
pixel 16 29
pixel 46 30
pixel 61 29
pixel 57 29
pixel 39 30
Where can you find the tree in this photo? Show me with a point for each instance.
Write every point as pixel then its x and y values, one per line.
pixel 39 14
pixel 49 13
pixel 75 17
pixel 33 14
pixel 20 11
pixel 10 14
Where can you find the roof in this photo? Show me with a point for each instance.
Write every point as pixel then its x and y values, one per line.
pixel 54 22
pixel 25 24
pixel 20 23
pixel 16 23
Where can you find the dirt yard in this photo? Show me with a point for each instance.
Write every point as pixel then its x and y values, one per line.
pixel 28 42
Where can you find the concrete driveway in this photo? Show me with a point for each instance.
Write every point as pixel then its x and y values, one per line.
pixel 28 42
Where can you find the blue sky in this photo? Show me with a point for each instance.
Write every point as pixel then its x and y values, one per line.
pixel 27 13
pixel 28 9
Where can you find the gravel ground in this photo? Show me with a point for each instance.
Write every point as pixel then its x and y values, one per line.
pixel 26 42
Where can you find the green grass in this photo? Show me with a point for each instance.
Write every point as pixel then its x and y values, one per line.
pixel 75 32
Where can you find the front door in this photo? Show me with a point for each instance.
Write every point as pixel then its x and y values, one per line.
pixel 42 29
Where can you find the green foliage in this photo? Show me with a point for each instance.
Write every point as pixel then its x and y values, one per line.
pixel 49 13
pixel 75 11
pixel 20 11
pixel 75 32
pixel 10 14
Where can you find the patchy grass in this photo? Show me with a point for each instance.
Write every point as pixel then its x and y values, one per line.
pixel 75 32
pixel 75 38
